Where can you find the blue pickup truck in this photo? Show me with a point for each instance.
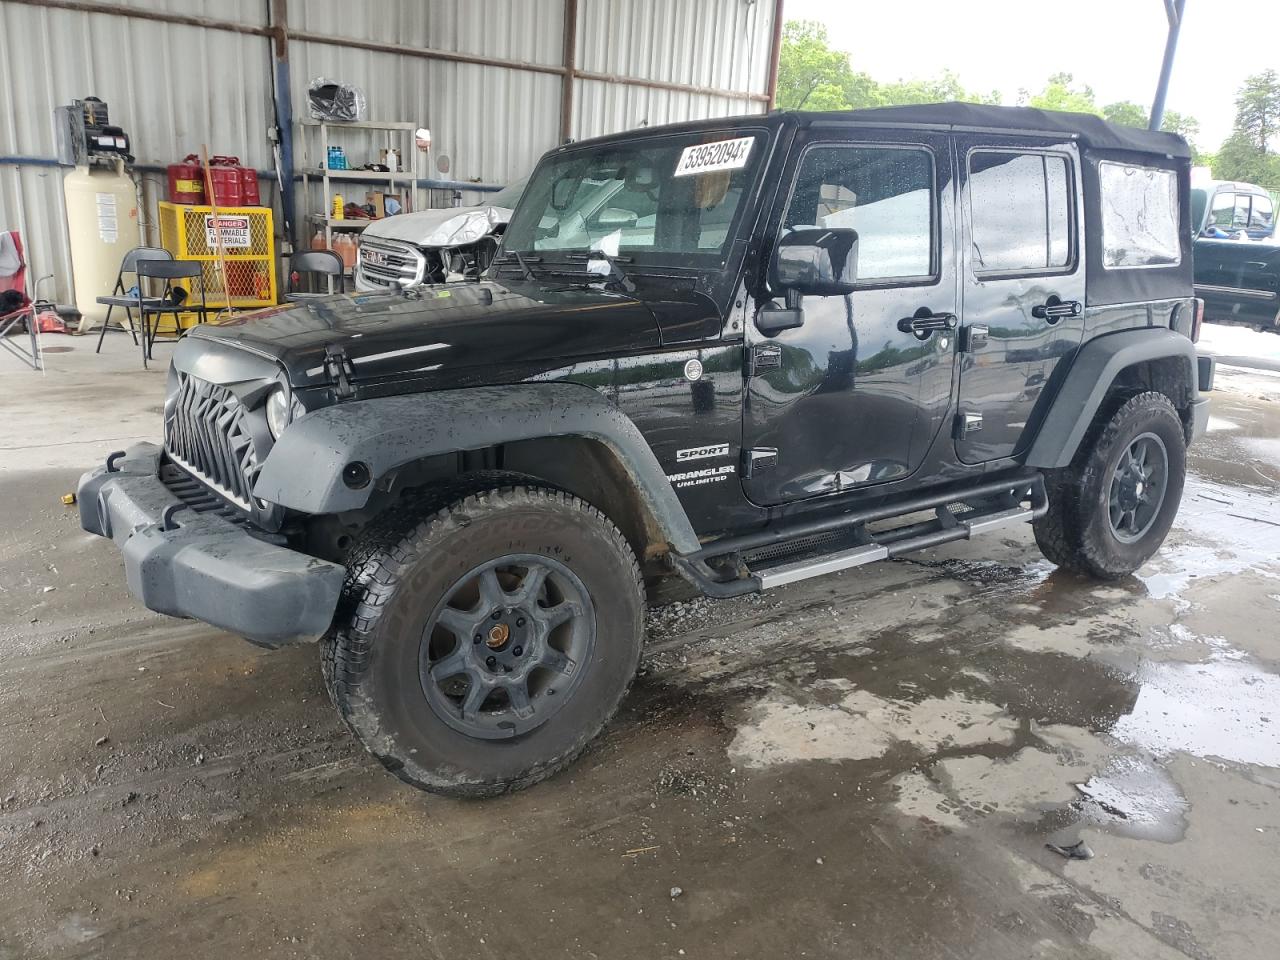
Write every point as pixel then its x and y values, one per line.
pixel 1237 254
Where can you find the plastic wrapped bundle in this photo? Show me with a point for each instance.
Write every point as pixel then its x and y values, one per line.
pixel 334 101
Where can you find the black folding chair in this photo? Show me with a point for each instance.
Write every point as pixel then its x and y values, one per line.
pixel 322 263
pixel 168 271
pixel 119 294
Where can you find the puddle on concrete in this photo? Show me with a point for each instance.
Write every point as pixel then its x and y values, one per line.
pixel 1229 710
pixel 1224 530
pixel 860 726
pixel 1266 449
pixel 1135 797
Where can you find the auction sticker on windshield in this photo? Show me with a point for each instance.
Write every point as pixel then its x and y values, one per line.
pixel 708 157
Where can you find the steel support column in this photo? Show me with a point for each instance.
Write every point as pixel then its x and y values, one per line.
pixel 775 54
pixel 282 92
pixel 569 60
pixel 1173 9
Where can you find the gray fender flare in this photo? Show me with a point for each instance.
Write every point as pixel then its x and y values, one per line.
pixel 303 471
pixel 1095 368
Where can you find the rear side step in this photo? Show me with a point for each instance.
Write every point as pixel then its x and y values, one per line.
pixel 946 527
pixel 772 577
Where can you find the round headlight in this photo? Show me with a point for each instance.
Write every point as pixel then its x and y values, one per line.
pixel 278 412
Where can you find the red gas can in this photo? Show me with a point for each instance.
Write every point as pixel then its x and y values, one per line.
pixel 228 181
pixel 186 181
pixel 249 186
pixel 233 185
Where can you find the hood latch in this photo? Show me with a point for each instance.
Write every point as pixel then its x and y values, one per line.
pixel 339 369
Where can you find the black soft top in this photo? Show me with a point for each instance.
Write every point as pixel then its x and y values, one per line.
pixel 1091 131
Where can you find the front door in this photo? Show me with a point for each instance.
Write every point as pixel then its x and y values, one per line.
pixel 856 395
pixel 1023 293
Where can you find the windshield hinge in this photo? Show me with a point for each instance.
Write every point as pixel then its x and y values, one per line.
pixel 339 369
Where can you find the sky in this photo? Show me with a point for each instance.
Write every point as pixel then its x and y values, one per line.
pixel 1114 46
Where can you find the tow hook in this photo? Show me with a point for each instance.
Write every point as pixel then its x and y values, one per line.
pixel 166 517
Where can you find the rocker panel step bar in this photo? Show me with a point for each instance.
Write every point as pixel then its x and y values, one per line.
pixel 804 569
pixel 946 527
pixel 993 521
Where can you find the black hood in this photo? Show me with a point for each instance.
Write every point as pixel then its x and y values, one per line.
pixel 505 328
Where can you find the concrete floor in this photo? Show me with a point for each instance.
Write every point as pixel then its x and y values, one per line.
pixel 866 765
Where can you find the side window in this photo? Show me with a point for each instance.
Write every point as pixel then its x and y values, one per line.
pixel 885 193
pixel 1223 210
pixel 1020 207
pixel 1240 219
pixel 1262 215
pixel 1139 216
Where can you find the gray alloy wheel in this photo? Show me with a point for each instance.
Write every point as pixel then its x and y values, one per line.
pixel 500 654
pixel 1138 483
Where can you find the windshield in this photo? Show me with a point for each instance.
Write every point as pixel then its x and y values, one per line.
pixel 509 196
pixel 664 199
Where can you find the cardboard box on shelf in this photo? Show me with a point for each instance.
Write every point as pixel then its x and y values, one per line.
pixel 379 200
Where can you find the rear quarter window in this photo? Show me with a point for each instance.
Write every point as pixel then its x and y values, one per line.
pixel 1139 216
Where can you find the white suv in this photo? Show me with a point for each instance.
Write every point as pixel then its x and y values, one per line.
pixel 432 246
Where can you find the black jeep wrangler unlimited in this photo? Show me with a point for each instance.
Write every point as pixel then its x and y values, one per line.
pixel 746 351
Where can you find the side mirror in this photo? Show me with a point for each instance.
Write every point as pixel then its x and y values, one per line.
pixel 813 261
pixel 816 261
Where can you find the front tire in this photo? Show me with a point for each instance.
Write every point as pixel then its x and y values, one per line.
pixel 1110 511
pixel 481 645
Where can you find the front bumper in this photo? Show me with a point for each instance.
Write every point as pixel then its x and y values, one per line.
pixel 199 565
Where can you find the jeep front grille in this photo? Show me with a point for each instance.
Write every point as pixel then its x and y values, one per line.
pixel 391 263
pixel 207 433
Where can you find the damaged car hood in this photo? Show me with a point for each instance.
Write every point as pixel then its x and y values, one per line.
pixel 453 334
pixel 441 228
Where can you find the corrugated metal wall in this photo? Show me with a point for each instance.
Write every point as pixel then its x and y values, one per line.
pixel 723 44
pixel 174 87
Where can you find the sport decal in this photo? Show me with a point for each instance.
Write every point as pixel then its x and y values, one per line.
pixel 702 453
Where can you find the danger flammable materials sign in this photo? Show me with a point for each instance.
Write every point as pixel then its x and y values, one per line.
pixel 233 230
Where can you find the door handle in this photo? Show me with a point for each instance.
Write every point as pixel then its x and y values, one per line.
pixel 1054 309
pixel 924 321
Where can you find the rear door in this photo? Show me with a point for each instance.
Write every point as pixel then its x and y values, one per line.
pixel 1023 287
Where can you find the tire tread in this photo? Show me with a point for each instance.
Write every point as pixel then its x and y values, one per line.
pixel 379 560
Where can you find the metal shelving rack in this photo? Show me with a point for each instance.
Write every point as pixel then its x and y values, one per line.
pixel 398 133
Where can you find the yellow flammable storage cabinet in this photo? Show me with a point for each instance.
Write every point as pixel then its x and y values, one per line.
pixel 248 243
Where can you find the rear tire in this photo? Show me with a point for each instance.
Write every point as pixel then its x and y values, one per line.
pixel 1110 511
pixel 481 645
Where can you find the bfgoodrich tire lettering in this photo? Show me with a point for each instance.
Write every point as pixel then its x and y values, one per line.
pixel 1079 531
pixel 406 566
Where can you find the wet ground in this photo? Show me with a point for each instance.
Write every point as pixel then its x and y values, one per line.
pixel 867 765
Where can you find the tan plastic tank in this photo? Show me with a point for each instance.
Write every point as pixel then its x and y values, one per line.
pixel 102 226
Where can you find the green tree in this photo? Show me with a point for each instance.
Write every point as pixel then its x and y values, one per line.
pixel 940 89
pixel 1258 110
pixel 1131 114
pixel 811 75
pixel 1059 94
pixel 1127 113
pixel 1250 153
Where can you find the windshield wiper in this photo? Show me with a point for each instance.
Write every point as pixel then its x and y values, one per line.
pixel 616 273
pixel 521 261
